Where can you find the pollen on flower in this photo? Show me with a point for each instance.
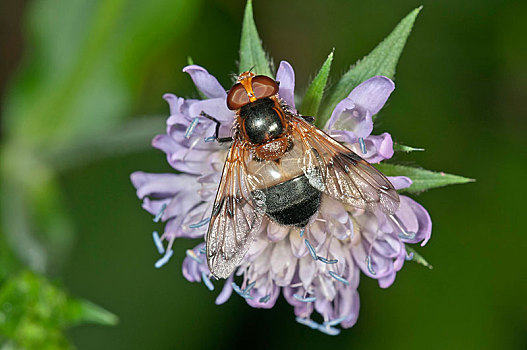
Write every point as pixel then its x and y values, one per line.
pixel 168 252
pixel 161 262
pixel 191 127
pixel 159 215
pixel 158 243
pixel 199 224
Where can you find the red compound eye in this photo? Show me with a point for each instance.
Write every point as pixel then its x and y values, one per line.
pixel 264 86
pixel 237 97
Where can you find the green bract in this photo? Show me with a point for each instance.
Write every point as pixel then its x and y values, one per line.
pixel 252 54
pixel 422 179
pixel 314 93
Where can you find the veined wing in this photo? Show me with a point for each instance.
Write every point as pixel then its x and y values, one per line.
pixel 236 216
pixel 339 172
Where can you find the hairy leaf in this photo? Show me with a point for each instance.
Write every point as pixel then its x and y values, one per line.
pixel 381 61
pixel 252 54
pixel 422 179
pixel 313 96
pixel 403 148
pixel 418 258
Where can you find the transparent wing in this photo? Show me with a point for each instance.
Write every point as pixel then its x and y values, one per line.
pixel 340 173
pixel 236 216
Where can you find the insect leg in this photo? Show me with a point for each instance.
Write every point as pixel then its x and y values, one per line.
pixel 217 132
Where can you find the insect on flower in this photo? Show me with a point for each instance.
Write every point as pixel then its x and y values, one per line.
pixel 280 165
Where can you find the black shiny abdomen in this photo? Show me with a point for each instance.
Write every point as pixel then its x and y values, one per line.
pixel 261 122
pixel 293 202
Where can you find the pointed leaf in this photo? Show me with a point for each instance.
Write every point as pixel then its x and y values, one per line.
pixel 381 61
pixel 252 54
pixel 422 179
pixel 314 93
pixel 80 311
pixel 403 148
pixel 418 258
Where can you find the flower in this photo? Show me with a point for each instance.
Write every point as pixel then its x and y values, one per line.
pixel 317 270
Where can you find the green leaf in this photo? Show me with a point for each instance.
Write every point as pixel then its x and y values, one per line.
pixel 418 258
pixel 79 311
pixel 35 313
pixel 403 148
pixel 422 179
pixel 314 93
pixel 381 61
pixel 252 54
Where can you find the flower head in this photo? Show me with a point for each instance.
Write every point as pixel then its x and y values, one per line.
pixel 318 269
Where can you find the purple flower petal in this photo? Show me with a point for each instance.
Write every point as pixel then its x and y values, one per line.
pixel 276 232
pixel 205 82
pixel 286 77
pixel 345 136
pixel 316 233
pixel 226 292
pixel 387 281
pixel 355 111
pixel 373 93
pixel 307 270
pixel 301 309
pixel 298 246
pixel 399 262
pixel 283 264
pixel 387 245
pixel 378 148
pixel 334 210
pixel 259 294
pixel 175 103
pixel 161 185
pixel 192 269
pixel 382 266
pixel 351 117
pixel 415 218
pixel 166 144
pixel 400 182
pixel 349 307
pixel 214 107
pixel 258 246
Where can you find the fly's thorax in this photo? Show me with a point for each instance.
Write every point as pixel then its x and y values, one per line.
pixel 261 121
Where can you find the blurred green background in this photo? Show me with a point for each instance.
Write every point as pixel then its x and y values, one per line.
pixel 80 76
